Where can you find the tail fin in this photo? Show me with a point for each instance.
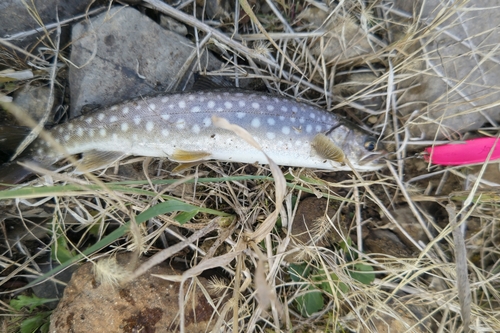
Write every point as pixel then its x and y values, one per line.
pixel 12 173
pixel 10 138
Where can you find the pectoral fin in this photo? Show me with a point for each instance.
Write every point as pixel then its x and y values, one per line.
pixel 184 156
pixel 94 160
pixel 184 166
pixel 326 149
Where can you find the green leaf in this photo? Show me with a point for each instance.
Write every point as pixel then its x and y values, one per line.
pixel 60 250
pixel 186 216
pixel 32 324
pixel 30 302
pixel 310 302
pixel 299 272
pixel 333 287
pixel 345 246
pixel 363 273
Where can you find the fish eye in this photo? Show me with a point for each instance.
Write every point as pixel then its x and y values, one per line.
pixel 370 144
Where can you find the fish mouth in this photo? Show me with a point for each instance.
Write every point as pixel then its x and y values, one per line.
pixel 373 157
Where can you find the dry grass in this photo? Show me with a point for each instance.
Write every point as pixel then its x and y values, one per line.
pixel 356 68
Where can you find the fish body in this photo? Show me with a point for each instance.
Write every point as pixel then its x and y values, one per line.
pixel 179 126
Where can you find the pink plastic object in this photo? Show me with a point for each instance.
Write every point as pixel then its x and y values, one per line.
pixel 470 151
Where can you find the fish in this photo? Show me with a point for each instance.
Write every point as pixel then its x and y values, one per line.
pixel 179 126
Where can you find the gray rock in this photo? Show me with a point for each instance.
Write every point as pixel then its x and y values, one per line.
pixel 34 100
pixel 173 25
pixel 122 54
pixel 15 17
pixel 457 75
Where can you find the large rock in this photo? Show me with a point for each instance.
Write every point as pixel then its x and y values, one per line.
pixel 454 65
pixel 123 54
pixel 147 304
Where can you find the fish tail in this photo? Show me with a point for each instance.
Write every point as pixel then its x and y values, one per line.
pixel 11 172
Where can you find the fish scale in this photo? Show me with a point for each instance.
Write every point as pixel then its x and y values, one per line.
pixel 179 126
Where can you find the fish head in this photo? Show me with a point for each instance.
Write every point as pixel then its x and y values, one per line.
pixel 361 148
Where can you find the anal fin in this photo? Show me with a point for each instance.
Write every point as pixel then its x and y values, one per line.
pixel 95 159
pixel 185 156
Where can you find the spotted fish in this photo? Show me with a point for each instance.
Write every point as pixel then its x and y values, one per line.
pixel 180 127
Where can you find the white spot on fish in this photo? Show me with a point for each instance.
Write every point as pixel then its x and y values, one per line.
pixel 153 106
pixel 70 126
pixel 201 99
pixel 196 129
pixel 239 94
pixel 89 120
pixel 207 122
pixel 285 130
pixel 195 109
pixel 164 132
pixel 228 105
pixel 114 107
pixel 241 103
pixel 211 104
pixel 323 118
pixel 165 116
pixel 100 116
pixel 191 97
pixel 149 126
pixel 292 119
pixel 125 110
pixel 138 106
pixel 284 109
pixel 312 115
pixel 115 137
pixel 294 109
pixel 79 131
pixel 271 121
pixel 318 128
pixel 124 127
pixel 39 151
pixel 255 105
pixel 61 129
pixel 102 132
pixel 164 100
pixel 264 97
pixel 309 128
pixel 256 121
pixel 66 137
pixel 240 115
pixel 182 104
pixel 170 106
pixel 137 120
pixel 282 117
pixel 270 108
pixel 302 120
pixel 270 135
pixel 180 124
pixel 112 119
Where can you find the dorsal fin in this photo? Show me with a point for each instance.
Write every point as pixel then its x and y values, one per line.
pixel 203 82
